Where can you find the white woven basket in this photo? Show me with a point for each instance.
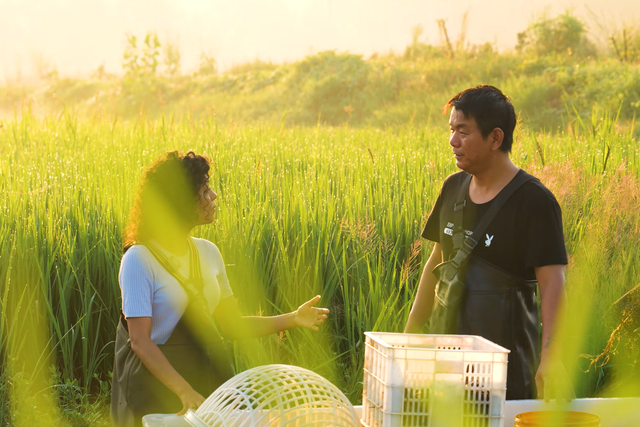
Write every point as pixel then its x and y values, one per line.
pixel 275 395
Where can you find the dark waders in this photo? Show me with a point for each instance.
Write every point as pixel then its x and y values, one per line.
pixel 195 350
pixel 474 297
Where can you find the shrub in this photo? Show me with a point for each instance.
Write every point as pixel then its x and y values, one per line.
pixel 140 63
pixel 625 43
pixel 329 87
pixel 563 34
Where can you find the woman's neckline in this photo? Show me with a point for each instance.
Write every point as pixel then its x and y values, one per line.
pixel 167 252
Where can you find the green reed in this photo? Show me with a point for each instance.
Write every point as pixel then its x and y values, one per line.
pixel 302 211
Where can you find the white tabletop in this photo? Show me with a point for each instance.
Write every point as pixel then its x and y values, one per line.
pixel 612 412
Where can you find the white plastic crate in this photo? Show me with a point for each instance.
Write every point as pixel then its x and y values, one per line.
pixel 433 381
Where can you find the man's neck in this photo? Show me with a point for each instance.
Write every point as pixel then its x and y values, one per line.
pixel 485 185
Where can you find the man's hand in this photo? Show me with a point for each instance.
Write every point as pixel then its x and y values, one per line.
pixel 423 304
pixel 190 399
pixel 310 317
pixel 552 380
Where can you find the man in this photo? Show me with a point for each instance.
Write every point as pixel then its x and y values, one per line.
pixel 523 244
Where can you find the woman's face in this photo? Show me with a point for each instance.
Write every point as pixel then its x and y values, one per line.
pixel 206 204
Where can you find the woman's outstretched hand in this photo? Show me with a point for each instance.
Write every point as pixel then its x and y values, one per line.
pixel 308 316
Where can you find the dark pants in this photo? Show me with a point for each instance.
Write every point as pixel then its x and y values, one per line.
pixel 137 392
pixel 503 308
pixel 481 299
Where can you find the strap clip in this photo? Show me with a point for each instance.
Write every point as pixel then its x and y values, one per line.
pixel 469 244
pixel 459 205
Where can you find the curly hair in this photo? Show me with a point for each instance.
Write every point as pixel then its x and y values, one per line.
pixel 167 196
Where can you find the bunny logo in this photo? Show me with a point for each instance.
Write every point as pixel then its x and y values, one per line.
pixel 487 242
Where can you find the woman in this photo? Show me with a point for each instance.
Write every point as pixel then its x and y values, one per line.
pixel 169 354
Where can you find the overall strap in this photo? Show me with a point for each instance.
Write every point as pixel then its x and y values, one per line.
pixel 193 286
pixel 458 217
pixel 469 243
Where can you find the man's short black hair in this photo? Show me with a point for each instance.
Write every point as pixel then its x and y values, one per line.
pixel 490 108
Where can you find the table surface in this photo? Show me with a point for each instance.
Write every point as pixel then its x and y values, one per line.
pixel 624 412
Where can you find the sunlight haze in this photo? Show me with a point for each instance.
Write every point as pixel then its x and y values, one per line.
pixel 77 36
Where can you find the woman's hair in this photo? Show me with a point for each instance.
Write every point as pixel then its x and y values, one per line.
pixel 167 196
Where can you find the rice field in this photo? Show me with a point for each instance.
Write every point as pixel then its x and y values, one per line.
pixel 302 211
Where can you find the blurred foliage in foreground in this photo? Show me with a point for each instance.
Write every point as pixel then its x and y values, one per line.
pixel 555 68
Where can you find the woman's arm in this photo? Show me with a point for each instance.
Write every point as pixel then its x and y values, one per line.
pixel 235 326
pixel 158 365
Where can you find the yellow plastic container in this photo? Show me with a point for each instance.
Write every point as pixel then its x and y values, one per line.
pixel 556 419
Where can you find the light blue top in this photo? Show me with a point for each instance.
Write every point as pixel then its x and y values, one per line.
pixel 148 290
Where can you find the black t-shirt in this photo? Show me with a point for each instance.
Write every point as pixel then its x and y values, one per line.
pixel 526 232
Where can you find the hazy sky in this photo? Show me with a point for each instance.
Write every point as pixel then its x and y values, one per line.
pixel 80 35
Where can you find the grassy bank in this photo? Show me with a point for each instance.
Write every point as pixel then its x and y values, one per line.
pixel 555 72
pixel 340 88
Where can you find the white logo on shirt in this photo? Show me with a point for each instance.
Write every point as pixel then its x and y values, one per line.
pixel 449 231
pixel 487 242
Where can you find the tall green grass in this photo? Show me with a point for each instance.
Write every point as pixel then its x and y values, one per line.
pixel 302 211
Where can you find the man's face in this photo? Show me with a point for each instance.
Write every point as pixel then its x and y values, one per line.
pixel 471 151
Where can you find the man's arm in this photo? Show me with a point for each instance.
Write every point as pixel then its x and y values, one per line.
pixel 552 297
pixel 423 304
pixel 551 378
